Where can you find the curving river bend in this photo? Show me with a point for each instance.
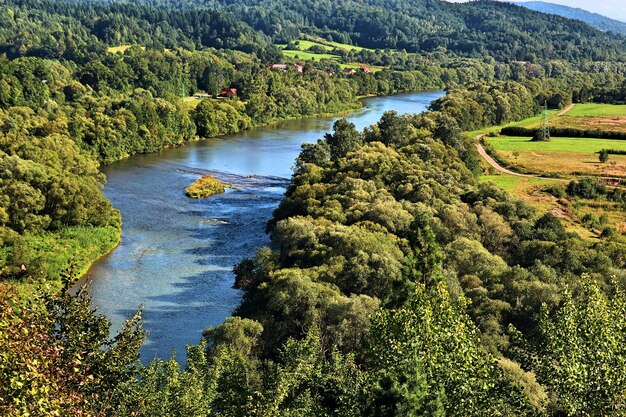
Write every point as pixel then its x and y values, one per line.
pixel 176 254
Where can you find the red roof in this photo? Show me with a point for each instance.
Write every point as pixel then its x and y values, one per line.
pixel 228 92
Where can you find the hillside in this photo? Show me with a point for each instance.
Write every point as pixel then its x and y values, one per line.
pixel 595 20
pixel 477 29
pixel 504 31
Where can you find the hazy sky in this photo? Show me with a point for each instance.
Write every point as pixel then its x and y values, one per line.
pixel 615 9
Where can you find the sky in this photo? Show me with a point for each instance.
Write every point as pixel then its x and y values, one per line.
pixel 615 9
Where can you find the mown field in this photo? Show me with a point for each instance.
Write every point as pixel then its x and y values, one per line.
pixel 571 158
pixel 308 56
pixel 560 156
pixel 587 116
pixel 566 156
pixel 121 48
pixel 303 53
pixel 597 110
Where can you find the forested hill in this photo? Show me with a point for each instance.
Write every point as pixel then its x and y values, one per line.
pixel 74 30
pixel 477 29
pixel 596 20
pixel 504 31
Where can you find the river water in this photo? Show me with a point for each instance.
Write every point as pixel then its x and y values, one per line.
pixel 176 255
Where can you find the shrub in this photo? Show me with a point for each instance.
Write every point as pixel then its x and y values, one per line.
pixel 603 156
pixel 204 187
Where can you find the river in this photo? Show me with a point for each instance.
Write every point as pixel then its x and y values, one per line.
pixel 176 254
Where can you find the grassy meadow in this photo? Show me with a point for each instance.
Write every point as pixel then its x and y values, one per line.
pixel 597 110
pixel 560 156
pixel 308 56
pixel 569 158
pixel 566 156
pixel 305 55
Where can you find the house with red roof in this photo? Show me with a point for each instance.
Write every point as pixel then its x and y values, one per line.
pixel 228 93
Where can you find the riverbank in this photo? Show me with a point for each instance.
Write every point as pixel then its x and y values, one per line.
pixel 52 261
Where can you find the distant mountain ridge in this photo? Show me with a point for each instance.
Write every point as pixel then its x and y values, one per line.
pixel 595 20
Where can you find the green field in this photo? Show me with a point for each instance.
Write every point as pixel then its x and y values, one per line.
pixel 598 110
pixel 347 47
pixel 575 145
pixel 193 102
pixel 583 116
pixel 560 156
pixel 515 183
pixel 308 56
pixel 305 44
pixel 305 55
pixel 525 123
pixel 356 65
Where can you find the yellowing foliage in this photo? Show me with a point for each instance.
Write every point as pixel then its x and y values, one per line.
pixel 205 187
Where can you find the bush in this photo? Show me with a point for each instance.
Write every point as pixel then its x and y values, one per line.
pixel 560 132
pixel 603 156
pixel 586 188
pixel 204 187
pixel 556 191
pixel 608 232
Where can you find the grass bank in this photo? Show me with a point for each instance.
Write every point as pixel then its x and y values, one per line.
pixel 46 260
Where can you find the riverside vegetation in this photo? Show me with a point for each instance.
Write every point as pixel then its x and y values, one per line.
pixel 396 283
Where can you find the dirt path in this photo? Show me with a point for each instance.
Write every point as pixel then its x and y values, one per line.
pixel 566 110
pixel 498 167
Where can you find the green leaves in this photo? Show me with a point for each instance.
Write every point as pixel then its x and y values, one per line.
pixel 428 354
pixel 580 354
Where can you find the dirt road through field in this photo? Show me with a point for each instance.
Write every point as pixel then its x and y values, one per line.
pixel 566 110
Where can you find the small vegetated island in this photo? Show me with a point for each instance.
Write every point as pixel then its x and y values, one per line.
pixel 205 186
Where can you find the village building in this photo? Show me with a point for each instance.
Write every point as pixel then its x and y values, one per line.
pixel 228 93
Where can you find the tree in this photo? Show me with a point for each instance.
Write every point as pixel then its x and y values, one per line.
pixel 603 156
pixel 345 138
pixel 57 357
pixel 580 354
pixel 541 135
pixel 428 354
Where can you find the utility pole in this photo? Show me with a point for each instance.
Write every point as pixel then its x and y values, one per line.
pixel 545 130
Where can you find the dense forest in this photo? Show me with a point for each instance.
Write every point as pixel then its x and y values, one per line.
pixel 395 283
pixel 504 31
